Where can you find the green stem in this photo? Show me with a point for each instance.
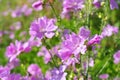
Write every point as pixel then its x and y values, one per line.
pixel 57 16
pixel 103 67
pixel 88 11
pixel 53 10
pixel 55 63
pixel 50 54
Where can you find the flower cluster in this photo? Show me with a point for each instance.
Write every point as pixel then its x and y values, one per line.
pixel 72 55
pixel 43 27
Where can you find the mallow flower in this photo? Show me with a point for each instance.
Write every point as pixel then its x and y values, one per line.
pixel 95 40
pixel 113 4
pixel 43 27
pixel 71 6
pixel 104 76
pixel 38 5
pixel 97 3
pixel 13 77
pixel 57 73
pixel 84 33
pixel 35 71
pixel 116 57
pixel 109 30
pixel 46 54
pixel 13 51
pixel 72 45
pixel 4 72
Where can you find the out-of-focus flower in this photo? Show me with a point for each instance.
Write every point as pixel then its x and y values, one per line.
pixel 91 63
pixel 16 13
pixel 4 72
pixel 109 30
pixel 1 33
pixel 35 71
pixel 13 77
pixel 38 5
pixel 97 3
pixel 57 74
pixel 5 13
pixel 71 6
pixel 84 33
pixel 116 57
pixel 11 35
pixel 95 40
pixel 72 62
pixel 103 76
pixel 21 10
pixel 23 33
pixel 16 26
pixel 44 52
pixel 13 63
pixel 26 10
pixel 43 27
pixel 113 4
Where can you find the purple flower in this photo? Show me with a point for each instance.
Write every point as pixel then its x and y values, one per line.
pixel 57 74
pixel 97 3
pixel 13 51
pixel 91 63
pixel 16 26
pixel 72 45
pixel 36 77
pixel 103 76
pixel 25 78
pixel 23 33
pixel 1 33
pixel 4 72
pixel 113 4
pixel 13 63
pixel 34 70
pixel 26 11
pixel 43 27
pixel 37 5
pixel 21 10
pixel 109 30
pixel 13 77
pixel 71 62
pixel 44 52
pixel 16 13
pixel 11 35
pixel 84 33
pixel 95 40
pixel 116 57
pixel 71 6
pixel 64 54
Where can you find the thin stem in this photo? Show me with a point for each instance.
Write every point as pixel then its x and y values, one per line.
pixel 50 54
pixel 103 66
pixel 53 59
pixel 88 11
pixel 53 9
pixel 57 16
